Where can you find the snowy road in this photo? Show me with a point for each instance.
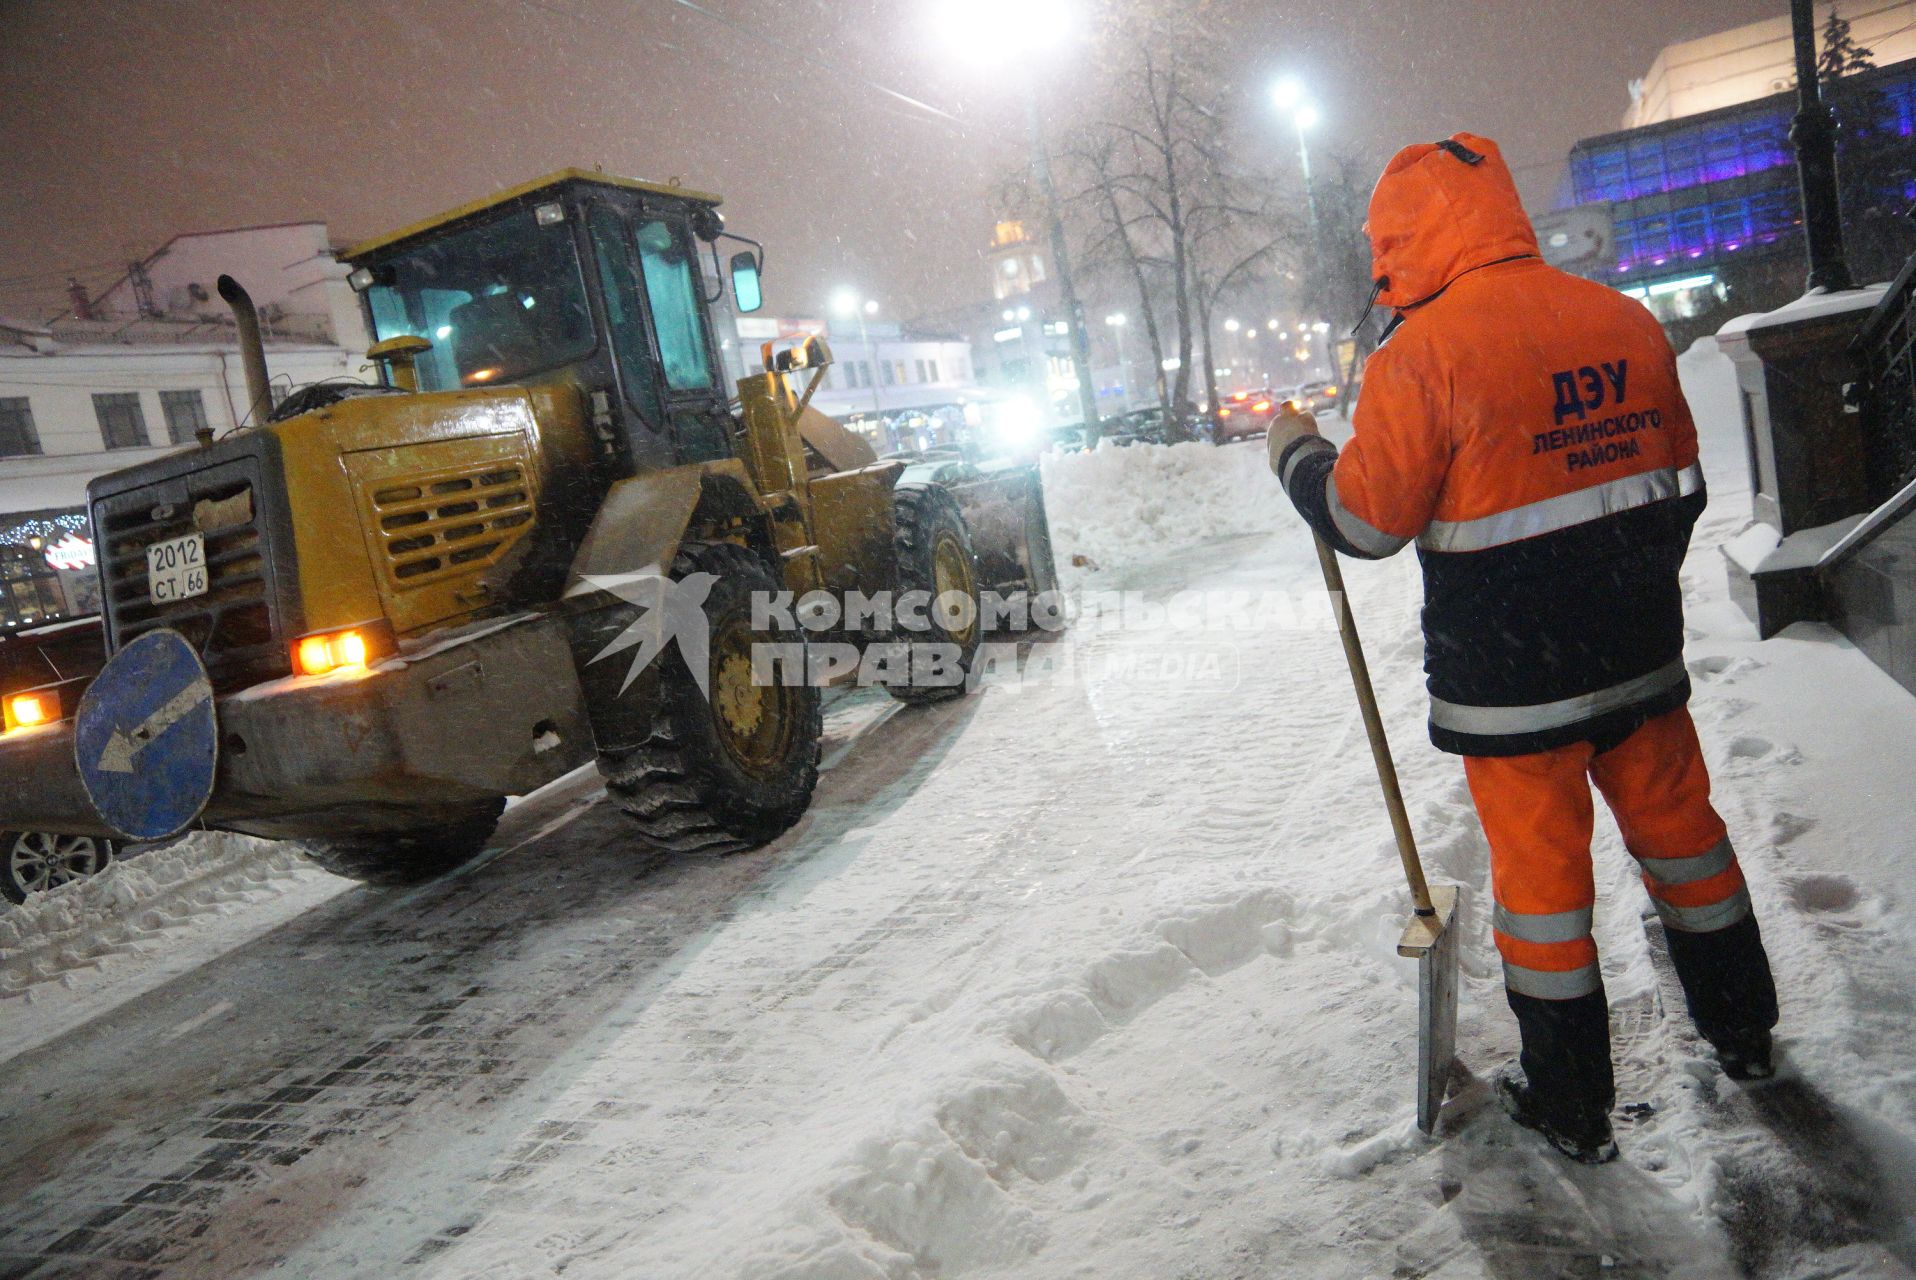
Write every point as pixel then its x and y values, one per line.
pixel 1091 976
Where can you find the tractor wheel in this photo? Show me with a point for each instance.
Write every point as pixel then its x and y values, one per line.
pixel 411 856
pixel 733 770
pixel 35 861
pixel 935 557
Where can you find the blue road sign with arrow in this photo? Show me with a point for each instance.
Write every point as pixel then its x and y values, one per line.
pixel 146 738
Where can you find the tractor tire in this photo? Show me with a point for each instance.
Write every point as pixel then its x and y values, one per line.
pixel 411 856
pixel 935 556
pixel 734 770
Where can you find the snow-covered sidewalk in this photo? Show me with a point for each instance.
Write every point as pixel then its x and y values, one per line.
pixel 1090 975
pixel 1112 992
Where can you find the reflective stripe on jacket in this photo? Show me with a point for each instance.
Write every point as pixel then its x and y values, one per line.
pixel 1525 428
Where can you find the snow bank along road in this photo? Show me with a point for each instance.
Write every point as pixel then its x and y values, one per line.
pixel 1088 977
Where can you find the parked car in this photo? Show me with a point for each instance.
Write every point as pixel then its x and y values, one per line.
pixel 63 654
pixel 34 861
pixel 1244 414
pixel 1152 426
pixel 1318 397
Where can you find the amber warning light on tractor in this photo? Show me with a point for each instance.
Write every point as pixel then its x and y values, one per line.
pixel 333 651
pixel 30 710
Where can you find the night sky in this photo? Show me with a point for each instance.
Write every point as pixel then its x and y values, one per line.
pixel 122 124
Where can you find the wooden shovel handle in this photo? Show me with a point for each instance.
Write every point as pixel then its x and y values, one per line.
pixel 1374 728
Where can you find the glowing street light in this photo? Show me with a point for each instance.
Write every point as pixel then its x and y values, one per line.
pixel 847 305
pixel 1011 36
pixel 1288 93
pixel 996 33
pixel 1232 326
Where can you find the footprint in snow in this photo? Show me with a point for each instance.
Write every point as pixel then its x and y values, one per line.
pixel 1786 828
pixel 1823 895
pixel 1750 747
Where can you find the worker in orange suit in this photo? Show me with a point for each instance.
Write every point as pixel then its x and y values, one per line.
pixel 1525 429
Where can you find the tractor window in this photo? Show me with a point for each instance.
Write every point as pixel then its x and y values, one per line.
pixel 625 310
pixel 672 284
pixel 499 302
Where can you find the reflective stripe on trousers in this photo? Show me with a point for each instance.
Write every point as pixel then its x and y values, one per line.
pixel 1549 955
pixel 1700 894
pixel 1546 984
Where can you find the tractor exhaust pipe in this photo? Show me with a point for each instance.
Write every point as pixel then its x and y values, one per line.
pixel 259 390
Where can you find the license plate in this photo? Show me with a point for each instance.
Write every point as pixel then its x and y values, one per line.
pixel 176 569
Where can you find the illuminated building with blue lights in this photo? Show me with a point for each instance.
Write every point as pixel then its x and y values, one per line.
pixel 1704 212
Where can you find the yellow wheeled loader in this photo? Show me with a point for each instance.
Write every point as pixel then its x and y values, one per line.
pixel 551 533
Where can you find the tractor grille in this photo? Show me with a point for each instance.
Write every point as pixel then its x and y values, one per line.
pixel 451 525
pixel 236 625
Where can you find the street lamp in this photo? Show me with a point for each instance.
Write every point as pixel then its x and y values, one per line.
pixel 1288 94
pixel 848 305
pixel 1011 35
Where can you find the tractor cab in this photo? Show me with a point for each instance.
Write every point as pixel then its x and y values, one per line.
pixel 603 283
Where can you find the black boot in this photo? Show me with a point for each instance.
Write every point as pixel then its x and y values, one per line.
pixel 1583 1137
pixel 1565 1089
pixel 1732 998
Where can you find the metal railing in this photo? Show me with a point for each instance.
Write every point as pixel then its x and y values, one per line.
pixel 1885 349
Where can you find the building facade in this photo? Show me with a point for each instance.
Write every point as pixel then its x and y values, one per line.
pixel 890 384
pixel 1758 60
pixel 142 370
pixel 1700 215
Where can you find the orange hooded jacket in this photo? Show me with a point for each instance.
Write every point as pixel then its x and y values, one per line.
pixel 1525 428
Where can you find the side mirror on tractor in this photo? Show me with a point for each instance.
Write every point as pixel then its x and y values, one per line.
pixel 746 289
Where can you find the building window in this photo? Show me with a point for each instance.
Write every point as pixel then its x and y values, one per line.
pixel 122 424
pixel 185 415
pixel 17 436
pixel 890 373
pixel 933 366
pixel 903 376
pixel 924 372
pixel 1037 269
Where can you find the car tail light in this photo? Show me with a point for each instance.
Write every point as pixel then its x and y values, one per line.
pixel 331 651
pixel 1261 406
pixel 1241 395
pixel 29 710
pixel 1223 413
pixel 1330 391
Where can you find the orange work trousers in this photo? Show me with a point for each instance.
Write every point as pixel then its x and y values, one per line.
pixel 1538 815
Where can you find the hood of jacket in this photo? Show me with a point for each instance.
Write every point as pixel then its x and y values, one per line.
pixel 1436 214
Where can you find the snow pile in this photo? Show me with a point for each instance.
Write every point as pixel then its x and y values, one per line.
pixel 1117 506
pixel 1709 384
pixel 137 899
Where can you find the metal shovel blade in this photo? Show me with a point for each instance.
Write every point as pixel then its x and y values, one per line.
pixel 1432 943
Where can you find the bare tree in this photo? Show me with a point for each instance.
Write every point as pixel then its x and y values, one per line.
pixel 1152 173
pixel 1234 244
pixel 1117 231
pixel 1336 279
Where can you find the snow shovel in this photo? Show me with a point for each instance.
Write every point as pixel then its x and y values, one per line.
pixel 1428 938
